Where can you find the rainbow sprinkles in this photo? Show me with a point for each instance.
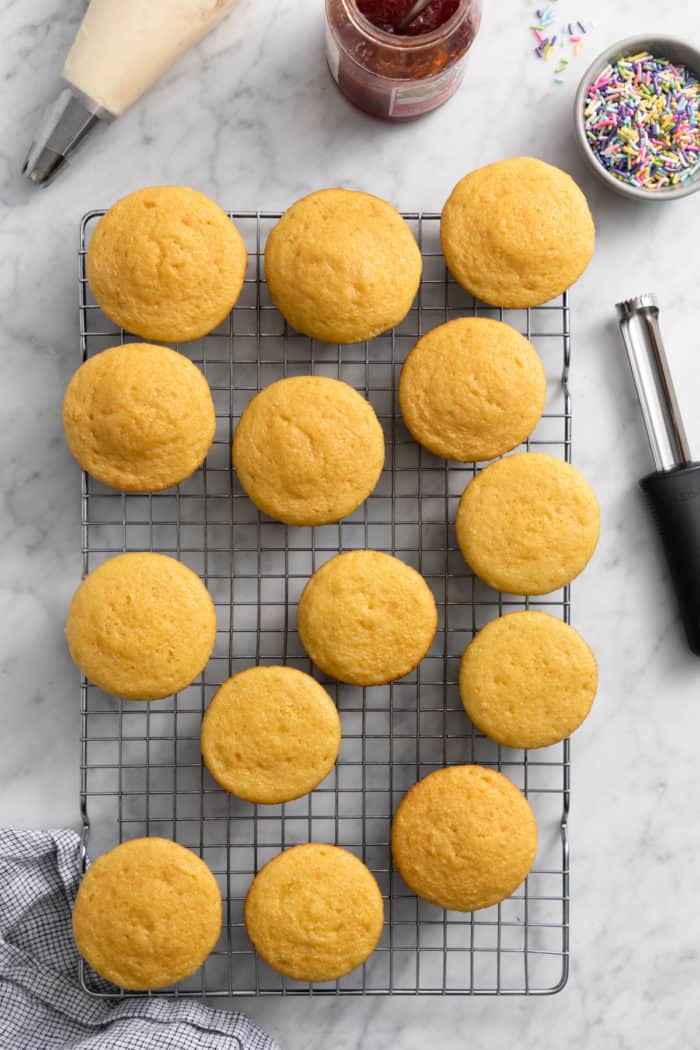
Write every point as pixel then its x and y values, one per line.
pixel 642 121
pixel 549 41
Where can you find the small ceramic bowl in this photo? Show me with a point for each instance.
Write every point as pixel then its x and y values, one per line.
pixel 676 51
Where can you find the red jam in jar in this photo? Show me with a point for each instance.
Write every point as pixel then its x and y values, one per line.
pixel 399 75
pixel 386 15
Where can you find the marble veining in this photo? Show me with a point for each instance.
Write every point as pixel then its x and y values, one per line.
pixel 252 118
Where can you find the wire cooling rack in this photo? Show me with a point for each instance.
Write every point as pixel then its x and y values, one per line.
pixel 141 770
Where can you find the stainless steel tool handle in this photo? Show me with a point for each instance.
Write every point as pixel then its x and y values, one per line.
pixel 639 323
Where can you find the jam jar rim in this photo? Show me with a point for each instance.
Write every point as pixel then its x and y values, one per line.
pixel 403 41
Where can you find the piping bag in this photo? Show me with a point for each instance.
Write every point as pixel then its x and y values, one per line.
pixel 121 48
pixel 673 489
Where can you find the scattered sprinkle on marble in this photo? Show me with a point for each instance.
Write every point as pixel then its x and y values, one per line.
pixel 569 38
pixel 642 121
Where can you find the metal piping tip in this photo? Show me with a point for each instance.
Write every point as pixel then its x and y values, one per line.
pixel 64 126
pixel 42 164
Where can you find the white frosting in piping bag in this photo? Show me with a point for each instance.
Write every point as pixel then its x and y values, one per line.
pixel 124 46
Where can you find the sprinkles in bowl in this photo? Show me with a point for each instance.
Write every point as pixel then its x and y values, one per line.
pixel 642 121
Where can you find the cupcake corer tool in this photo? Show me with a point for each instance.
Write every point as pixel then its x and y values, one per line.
pixel 673 488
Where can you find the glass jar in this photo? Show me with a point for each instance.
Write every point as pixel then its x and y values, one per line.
pixel 398 77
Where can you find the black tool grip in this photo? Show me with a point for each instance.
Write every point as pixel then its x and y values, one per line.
pixel 674 497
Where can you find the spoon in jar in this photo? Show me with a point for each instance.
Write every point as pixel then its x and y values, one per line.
pixel 414 10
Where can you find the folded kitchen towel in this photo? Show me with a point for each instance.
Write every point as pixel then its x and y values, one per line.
pixel 42 1006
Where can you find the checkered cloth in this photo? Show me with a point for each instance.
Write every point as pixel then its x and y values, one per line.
pixel 41 1005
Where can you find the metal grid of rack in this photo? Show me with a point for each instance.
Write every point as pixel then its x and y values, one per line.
pixel 141 770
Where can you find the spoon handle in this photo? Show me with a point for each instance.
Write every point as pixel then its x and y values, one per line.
pixel 414 10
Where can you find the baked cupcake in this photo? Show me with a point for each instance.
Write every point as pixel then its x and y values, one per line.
pixel 147 914
pixel 528 680
pixel 166 263
pixel 366 618
pixel 528 524
pixel 308 450
pixel 464 838
pixel 472 389
pixel 517 233
pixel 342 266
pixel 141 626
pixel 139 417
pixel 314 912
pixel 270 734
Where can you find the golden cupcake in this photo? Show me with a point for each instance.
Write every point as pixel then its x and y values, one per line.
pixel 464 838
pixel 141 626
pixel 308 450
pixel 270 734
pixel 366 618
pixel 517 233
pixel 342 266
pixel 472 389
pixel 147 914
pixel 528 524
pixel 528 679
pixel 314 912
pixel 166 263
pixel 139 417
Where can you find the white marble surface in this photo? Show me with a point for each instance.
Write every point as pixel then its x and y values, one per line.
pixel 253 119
